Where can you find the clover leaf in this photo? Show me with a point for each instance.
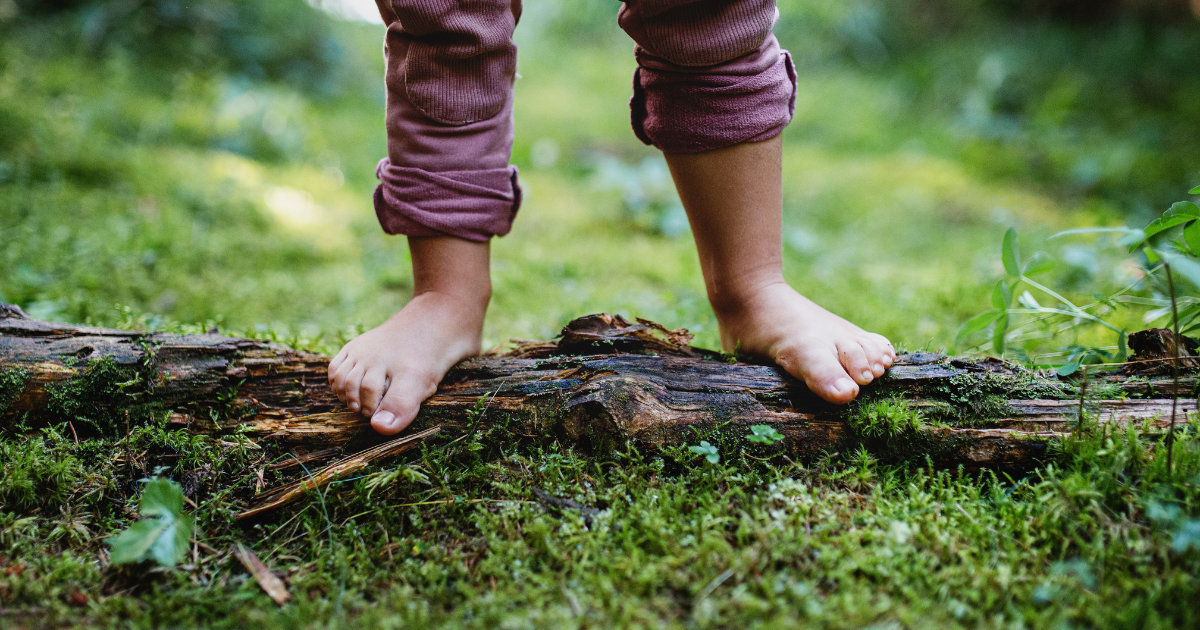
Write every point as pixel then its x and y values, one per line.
pixel 164 531
pixel 707 450
pixel 764 434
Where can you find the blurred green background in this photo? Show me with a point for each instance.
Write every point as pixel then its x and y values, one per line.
pixel 169 164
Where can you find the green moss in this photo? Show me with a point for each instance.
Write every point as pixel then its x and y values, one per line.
pixel 971 399
pixel 885 418
pixel 12 383
pixel 100 396
pixel 35 474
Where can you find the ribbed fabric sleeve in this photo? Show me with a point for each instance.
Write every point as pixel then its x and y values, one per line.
pixel 710 73
pixel 473 205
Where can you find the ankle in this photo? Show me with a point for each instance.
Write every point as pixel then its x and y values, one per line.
pixel 464 300
pixel 737 298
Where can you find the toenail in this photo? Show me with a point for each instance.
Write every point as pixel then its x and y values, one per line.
pixel 867 375
pixel 844 385
pixel 383 418
pixel 354 406
pixel 879 368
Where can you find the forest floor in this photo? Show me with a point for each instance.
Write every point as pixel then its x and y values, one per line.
pixel 185 201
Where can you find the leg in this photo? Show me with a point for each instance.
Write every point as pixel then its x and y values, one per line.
pixel 388 371
pixel 733 200
pixel 713 90
pixel 447 184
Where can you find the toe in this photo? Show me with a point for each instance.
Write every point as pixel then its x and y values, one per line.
pixel 374 384
pixel 886 348
pixel 402 402
pixel 336 363
pixel 353 387
pixel 877 355
pixel 338 379
pixel 854 359
pixel 821 371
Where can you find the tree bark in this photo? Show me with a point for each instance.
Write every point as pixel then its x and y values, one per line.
pixel 604 382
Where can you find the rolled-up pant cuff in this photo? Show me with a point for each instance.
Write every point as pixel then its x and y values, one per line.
pixel 473 205
pixel 683 109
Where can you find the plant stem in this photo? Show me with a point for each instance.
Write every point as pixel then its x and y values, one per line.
pixel 1174 366
pixel 1082 397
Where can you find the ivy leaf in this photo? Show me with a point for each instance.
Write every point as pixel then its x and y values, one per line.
pixel 1038 263
pixel 707 450
pixel 1001 297
pixel 1010 253
pixel 163 533
pixel 1179 212
pixel 764 434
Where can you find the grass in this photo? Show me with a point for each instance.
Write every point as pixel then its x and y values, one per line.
pixel 459 540
pixel 180 199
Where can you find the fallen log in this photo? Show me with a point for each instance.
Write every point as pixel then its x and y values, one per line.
pixel 604 382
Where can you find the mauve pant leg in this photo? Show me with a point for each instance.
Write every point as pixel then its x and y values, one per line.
pixel 710 73
pixel 450 72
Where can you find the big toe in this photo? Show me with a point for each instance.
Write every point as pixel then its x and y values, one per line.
pixel 821 371
pixel 402 402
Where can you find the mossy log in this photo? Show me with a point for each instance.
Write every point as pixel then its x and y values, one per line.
pixel 603 382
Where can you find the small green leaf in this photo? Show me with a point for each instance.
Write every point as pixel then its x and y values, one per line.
pixel 707 450
pixel 1195 191
pixel 163 533
pixel 1180 212
pixel 1191 236
pixel 1039 263
pixel 764 434
pixel 1010 253
pixel 978 323
pixel 1068 368
pixel 1151 255
pixel 999 335
pixel 1001 297
pixel 1122 346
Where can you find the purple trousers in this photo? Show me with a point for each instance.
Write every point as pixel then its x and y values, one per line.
pixel 710 75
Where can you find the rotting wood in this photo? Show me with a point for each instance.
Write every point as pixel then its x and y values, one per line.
pixel 605 381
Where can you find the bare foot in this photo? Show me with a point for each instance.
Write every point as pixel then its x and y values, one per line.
pixel 387 372
pixel 831 355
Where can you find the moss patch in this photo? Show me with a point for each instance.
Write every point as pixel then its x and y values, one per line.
pixel 12 383
pixel 100 396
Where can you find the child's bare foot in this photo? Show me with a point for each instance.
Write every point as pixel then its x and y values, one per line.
pixel 388 371
pixel 733 198
pixel 831 355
